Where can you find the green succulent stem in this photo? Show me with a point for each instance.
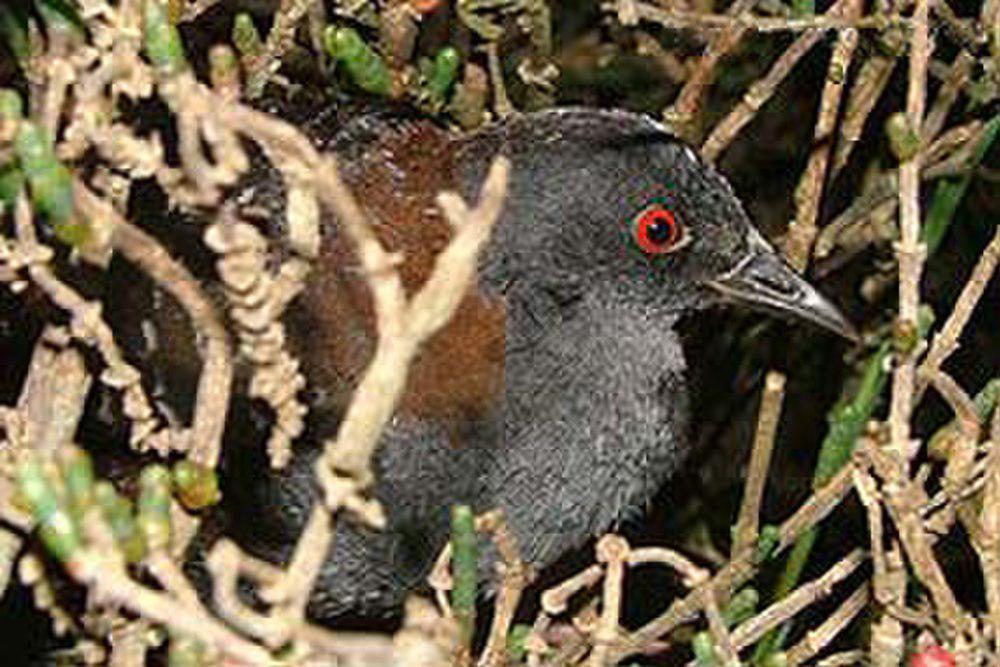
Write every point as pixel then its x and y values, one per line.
pixel 161 40
pixel 154 506
pixel 49 181
pixel 464 566
pixel 366 68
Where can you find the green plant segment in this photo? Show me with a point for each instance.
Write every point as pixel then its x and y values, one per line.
pixel 363 65
pixel 162 42
pixel 464 559
pixel 60 491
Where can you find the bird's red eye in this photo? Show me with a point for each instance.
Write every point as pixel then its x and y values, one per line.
pixel 656 230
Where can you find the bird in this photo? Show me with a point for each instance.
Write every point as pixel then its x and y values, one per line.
pixel 558 393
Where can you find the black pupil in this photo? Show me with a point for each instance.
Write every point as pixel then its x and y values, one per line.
pixel 659 231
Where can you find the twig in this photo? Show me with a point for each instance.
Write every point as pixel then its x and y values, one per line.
pixel 214 383
pixel 909 250
pixel 685 110
pixel 887 633
pixel 738 571
pixel 989 530
pixel 905 512
pixel 955 81
pixel 612 551
pixel 762 90
pixel 257 299
pixel 817 639
pixel 501 102
pixel 556 599
pixel 678 19
pixel 960 403
pixel 514 576
pixel 746 528
pixel 195 8
pixel 945 342
pixel 691 575
pixel 87 325
pixel 809 193
pixel 802 597
pixel 868 86
pixel 869 495
pixel 843 659
pixel 279 40
pixel 110 585
pixel 224 564
pixel 722 642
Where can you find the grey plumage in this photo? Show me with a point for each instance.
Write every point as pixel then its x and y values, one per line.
pixel 594 413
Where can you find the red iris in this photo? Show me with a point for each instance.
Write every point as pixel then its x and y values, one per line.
pixel 657 230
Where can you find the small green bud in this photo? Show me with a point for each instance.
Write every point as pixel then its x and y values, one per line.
pixel 905 336
pixel 442 73
pixel 37 490
pixel 803 7
pixel 742 607
pixel 78 476
pixel 245 37
pixel 515 642
pixel 778 659
pixel 11 104
pixel 197 486
pixel 363 65
pixel 836 73
pixel 223 69
pixel 50 181
pixel 767 542
pixel 161 40
pixel 56 526
pixel 464 569
pixel 903 140
pixel 891 43
pixel 704 650
pixel 117 511
pixel 154 506
pixel 185 652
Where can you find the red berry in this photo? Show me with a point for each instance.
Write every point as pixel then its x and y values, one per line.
pixel 933 656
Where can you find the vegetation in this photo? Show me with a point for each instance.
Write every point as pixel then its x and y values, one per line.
pixel 887 458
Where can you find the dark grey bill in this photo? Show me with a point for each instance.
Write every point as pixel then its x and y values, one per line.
pixel 763 281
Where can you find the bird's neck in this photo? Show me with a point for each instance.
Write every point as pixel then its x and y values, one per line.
pixel 595 418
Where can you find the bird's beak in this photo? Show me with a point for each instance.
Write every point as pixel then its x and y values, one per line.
pixel 763 280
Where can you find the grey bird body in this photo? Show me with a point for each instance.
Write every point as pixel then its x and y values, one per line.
pixel 580 413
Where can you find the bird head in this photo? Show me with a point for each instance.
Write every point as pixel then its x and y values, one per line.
pixel 610 202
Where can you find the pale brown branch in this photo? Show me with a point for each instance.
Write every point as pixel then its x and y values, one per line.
pixel 989 530
pixel 739 571
pixel 945 342
pixel 802 597
pixel 819 638
pixel 514 575
pixel 809 192
pixel 684 112
pixel 910 250
pixel 630 11
pixel 746 528
pixel 762 90
pixel 613 552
